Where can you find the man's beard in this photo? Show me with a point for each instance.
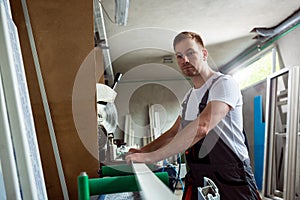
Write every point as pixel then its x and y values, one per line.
pixel 191 71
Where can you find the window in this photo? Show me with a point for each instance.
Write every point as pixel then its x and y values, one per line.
pixel 257 70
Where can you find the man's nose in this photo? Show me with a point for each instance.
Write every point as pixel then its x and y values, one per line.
pixel 185 59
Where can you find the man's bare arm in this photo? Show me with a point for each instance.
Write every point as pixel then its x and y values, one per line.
pixel 192 133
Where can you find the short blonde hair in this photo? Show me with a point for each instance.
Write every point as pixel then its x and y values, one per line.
pixel 187 34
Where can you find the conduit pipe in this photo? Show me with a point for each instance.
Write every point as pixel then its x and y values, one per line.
pixel 265 34
pixel 265 37
pixel 103 44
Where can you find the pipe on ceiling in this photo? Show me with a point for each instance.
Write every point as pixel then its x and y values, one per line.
pixel 266 33
pixel 265 37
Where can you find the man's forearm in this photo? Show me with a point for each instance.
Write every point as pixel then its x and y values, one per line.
pixel 182 141
pixel 158 143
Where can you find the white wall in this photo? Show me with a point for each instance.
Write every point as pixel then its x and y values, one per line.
pixel 289 48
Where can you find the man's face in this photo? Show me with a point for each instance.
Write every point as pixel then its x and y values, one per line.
pixel 190 57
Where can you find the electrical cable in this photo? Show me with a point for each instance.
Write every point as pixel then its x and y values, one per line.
pixel 178 174
pixel 179 168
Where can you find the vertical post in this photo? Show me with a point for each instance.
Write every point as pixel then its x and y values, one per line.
pixel 129 138
pixel 259 140
pixel 292 132
pixel 269 137
pixel 274 55
pixel 83 186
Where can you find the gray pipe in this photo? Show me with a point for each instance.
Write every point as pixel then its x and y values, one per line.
pixel 267 33
pixel 265 37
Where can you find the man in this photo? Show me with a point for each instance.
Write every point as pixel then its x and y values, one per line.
pixel 209 130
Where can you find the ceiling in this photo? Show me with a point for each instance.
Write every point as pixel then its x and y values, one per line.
pixel 224 25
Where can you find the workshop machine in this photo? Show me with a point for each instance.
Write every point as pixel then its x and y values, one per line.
pixel 107 124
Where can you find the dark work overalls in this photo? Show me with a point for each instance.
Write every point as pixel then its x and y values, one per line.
pixel 233 178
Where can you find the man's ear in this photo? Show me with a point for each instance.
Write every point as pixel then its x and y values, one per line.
pixel 204 54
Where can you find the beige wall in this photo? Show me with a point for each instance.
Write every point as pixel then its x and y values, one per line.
pixel 289 48
pixel 63 32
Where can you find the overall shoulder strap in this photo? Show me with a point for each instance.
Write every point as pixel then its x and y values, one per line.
pixel 205 96
pixel 184 104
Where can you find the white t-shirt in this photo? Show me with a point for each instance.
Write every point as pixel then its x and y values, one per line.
pixel 224 89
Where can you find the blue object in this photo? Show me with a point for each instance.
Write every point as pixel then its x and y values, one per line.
pixel 259 141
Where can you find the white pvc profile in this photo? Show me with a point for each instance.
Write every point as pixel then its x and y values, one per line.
pixel 31 179
pixel 291 157
pixel 9 169
pixel 292 133
pixel 151 186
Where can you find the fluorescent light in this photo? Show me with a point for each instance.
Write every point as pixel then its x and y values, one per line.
pixel 121 12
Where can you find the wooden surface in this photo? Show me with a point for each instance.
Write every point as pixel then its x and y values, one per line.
pixel 63 32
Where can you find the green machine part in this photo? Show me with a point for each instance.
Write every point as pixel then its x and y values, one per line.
pixel 83 186
pixel 108 185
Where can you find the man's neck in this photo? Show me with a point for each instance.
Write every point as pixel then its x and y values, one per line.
pixel 199 80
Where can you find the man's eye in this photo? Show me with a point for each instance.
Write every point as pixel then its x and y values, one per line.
pixel 179 56
pixel 190 53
